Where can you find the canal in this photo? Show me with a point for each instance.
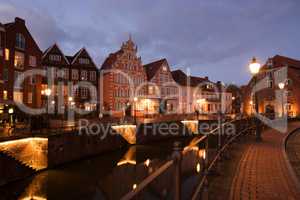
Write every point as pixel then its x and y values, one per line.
pixel 112 175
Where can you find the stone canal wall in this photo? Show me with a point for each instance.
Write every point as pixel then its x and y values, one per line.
pixel 63 148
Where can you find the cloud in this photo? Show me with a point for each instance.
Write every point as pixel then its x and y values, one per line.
pixel 213 38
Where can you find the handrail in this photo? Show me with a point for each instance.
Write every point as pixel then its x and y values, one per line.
pixel 169 163
pixel 199 187
pixel 148 180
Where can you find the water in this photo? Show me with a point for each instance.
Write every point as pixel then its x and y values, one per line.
pixel 112 175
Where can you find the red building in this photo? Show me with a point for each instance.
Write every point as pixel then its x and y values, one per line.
pixel 272 99
pixel 121 81
pixel 18 52
pixel 66 72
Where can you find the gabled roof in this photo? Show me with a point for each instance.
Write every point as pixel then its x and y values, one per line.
pixel 182 79
pixel 153 67
pixel 179 77
pixel 52 47
pixel 79 53
pixel 111 59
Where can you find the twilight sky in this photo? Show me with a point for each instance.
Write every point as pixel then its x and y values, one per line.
pixel 214 38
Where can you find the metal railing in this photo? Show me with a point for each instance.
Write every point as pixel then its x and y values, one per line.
pixel 243 126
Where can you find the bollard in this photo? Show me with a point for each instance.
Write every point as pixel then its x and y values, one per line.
pixel 177 156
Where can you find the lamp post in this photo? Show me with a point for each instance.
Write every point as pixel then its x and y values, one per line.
pixel 135 99
pixel 281 87
pixel 47 92
pixel 254 69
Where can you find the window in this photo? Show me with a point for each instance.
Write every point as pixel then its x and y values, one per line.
pixel 92 75
pixel 19 60
pixel 32 80
pixel 74 74
pixel 270 83
pixel 288 82
pixel 164 68
pixel 32 61
pixel 1 52
pixel 16 75
pixel 84 61
pixel 5 74
pixel 29 100
pixel 20 41
pixel 151 90
pixel 83 75
pixel 84 92
pixel 18 96
pixel 6 54
pixel 56 58
pixel 66 73
pixel 5 95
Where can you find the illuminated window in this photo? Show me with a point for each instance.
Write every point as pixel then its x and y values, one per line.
pixel 164 68
pixel 6 54
pixel 5 95
pixel 83 75
pixel 32 61
pixel 20 41
pixel 16 75
pixel 18 96
pixel 30 97
pixel 151 90
pixel 19 60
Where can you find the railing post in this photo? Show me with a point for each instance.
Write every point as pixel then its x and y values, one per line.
pixel 177 156
pixel 204 195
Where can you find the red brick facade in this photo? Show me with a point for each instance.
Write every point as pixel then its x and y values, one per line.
pixel 122 74
pixel 278 69
pixel 18 53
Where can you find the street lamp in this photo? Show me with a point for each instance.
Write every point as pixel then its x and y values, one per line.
pixel 135 99
pixel 254 69
pixel 47 92
pixel 281 87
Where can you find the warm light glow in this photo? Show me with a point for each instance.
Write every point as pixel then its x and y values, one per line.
pixel 199 101
pixel 11 111
pixel 147 162
pixel 254 66
pixel 251 102
pixel 135 99
pixel 281 86
pixel 33 198
pixel 233 98
pixel 47 92
pixel 198 168
pixel 70 99
pixel 134 186
pixel 53 102
pixel 124 162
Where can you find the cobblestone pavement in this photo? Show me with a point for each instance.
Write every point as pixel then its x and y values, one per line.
pixel 293 151
pixel 263 171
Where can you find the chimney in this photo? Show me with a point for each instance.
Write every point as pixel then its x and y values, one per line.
pixel 19 20
pixel 206 78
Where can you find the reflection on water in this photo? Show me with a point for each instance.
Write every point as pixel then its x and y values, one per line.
pixel 112 175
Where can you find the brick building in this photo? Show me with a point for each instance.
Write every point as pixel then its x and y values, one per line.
pixel 271 99
pixel 18 52
pixel 122 79
pixel 201 94
pixel 66 72
pixel 162 90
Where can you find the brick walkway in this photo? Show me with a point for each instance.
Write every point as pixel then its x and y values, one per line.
pixel 263 172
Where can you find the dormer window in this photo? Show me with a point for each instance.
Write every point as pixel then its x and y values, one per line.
pixel 56 58
pixel 20 41
pixel 84 61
